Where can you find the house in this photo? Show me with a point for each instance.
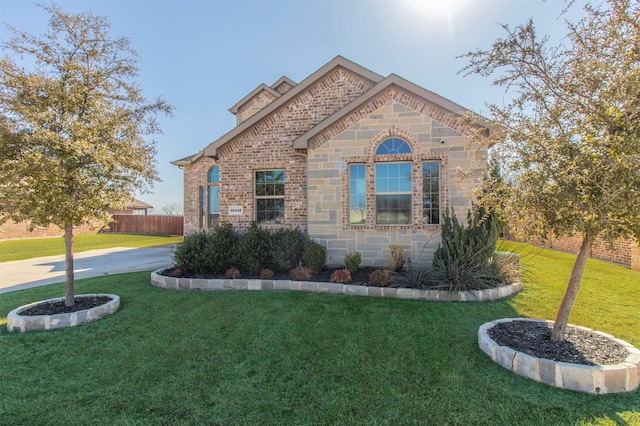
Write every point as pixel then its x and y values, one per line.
pixel 135 207
pixel 360 161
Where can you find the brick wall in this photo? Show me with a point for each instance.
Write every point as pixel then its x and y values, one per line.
pixel 254 105
pixel 11 230
pixel 268 145
pixel 393 115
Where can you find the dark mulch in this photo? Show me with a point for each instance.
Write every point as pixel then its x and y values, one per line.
pixel 580 347
pixel 361 277
pixel 52 308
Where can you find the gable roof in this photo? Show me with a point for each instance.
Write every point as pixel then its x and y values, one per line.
pixel 263 87
pixel 283 79
pixel 338 61
pixel 392 80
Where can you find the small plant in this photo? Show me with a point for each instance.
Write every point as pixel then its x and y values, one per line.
pixel 301 273
pixel 342 276
pixel 176 273
pixel 266 274
pixel 380 278
pixel 396 258
pixel 412 278
pixel 314 255
pixel 352 261
pixel 232 272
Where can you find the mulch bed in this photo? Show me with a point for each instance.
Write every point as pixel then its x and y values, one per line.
pixel 52 308
pixel 361 277
pixel 580 347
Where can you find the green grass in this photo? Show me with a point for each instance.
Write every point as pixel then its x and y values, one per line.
pixel 39 247
pixel 276 358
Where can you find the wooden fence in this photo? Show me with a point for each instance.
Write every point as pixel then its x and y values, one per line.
pixel 149 225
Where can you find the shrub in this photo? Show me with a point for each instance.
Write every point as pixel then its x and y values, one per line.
pixel 462 261
pixel 340 276
pixel 412 278
pixel 380 278
pixel 352 261
pixel 396 258
pixel 301 273
pixel 232 272
pixel 286 248
pixel 222 249
pixel 190 255
pixel 255 253
pixel 314 255
pixel 266 274
pixel 176 273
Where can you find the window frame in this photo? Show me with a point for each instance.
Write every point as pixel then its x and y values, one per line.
pixel 257 198
pixel 425 193
pixel 351 193
pixel 378 193
pixel 213 181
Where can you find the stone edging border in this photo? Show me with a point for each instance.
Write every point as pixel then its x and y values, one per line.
pixel 163 281
pixel 19 323
pixel 597 379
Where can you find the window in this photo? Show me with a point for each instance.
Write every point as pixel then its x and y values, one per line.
pixel 431 193
pixel 393 186
pixel 269 196
pixel 201 206
pixel 393 146
pixel 357 195
pixel 214 196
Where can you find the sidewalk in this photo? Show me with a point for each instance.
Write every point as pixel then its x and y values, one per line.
pixel 23 274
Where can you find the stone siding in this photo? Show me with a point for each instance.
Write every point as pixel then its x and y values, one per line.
pixel 328 180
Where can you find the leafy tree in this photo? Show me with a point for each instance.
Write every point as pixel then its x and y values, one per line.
pixel 568 139
pixel 72 126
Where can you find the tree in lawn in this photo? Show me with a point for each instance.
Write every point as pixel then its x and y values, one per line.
pixel 72 127
pixel 569 137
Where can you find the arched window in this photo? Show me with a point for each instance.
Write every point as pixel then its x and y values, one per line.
pixel 214 196
pixel 393 185
pixel 393 146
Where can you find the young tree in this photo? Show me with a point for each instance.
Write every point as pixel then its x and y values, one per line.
pixel 72 127
pixel 569 138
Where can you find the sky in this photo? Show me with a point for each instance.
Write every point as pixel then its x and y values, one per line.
pixel 203 56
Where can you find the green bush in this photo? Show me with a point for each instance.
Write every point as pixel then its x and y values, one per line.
pixel 222 248
pixel 352 261
pixel 411 277
pixel 190 256
pixel 463 259
pixel 254 250
pixel 286 248
pixel 314 255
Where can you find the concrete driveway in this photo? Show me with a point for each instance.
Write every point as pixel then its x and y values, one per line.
pixel 23 274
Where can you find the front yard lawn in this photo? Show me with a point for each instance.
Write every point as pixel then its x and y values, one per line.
pixel 274 358
pixel 38 247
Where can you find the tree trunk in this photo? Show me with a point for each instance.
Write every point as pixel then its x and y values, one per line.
pixel 562 318
pixel 70 296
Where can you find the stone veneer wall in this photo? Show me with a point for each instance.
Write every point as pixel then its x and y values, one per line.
pixel 268 145
pixel 328 180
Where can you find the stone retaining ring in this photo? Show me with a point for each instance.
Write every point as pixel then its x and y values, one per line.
pixel 596 379
pixel 22 323
pixel 163 281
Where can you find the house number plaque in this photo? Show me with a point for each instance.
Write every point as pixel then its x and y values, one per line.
pixel 235 211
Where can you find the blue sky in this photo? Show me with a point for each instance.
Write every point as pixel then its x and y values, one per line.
pixel 203 56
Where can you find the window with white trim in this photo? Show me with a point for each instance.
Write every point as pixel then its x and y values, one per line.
pixel 357 195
